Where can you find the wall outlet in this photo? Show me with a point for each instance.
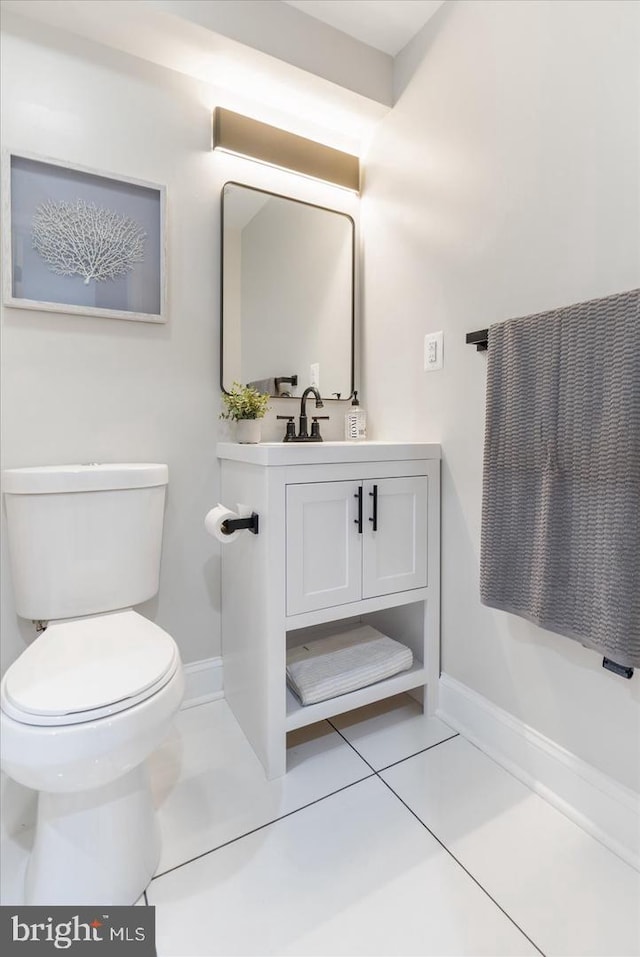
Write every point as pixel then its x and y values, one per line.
pixel 433 351
pixel 314 374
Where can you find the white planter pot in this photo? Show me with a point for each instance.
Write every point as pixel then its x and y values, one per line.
pixel 248 431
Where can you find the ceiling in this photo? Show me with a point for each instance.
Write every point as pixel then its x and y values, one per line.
pixel 387 25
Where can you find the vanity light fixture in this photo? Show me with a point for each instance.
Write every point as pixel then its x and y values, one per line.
pixel 251 139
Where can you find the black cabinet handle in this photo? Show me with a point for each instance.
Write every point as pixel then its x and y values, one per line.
pixel 374 518
pixel 358 520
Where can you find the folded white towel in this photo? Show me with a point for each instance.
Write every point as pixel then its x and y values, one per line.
pixel 344 662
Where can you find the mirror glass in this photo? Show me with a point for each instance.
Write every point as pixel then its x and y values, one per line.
pixel 287 294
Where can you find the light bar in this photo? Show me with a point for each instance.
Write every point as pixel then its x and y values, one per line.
pixel 251 139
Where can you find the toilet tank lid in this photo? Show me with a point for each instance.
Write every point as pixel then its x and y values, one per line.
pixel 49 479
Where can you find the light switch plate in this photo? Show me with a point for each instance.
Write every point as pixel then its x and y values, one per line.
pixel 433 351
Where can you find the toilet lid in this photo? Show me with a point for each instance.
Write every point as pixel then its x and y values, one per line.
pixel 88 668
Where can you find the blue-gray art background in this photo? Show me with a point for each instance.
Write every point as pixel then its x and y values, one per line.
pixel 33 182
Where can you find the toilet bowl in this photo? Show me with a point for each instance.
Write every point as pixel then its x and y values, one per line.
pixel 81 710
pixel 94 694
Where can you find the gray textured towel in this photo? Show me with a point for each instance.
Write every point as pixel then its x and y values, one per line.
pixel 561 495
pixel 275 386
pixel 268 386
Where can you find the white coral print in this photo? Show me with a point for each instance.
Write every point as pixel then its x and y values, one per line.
pixel 82 239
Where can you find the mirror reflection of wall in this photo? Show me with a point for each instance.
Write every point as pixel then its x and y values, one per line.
pixel 287 293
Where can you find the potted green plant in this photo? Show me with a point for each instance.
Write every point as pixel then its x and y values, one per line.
pixel 245 406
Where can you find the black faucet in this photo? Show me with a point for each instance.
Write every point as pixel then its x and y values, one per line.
pixel 303 434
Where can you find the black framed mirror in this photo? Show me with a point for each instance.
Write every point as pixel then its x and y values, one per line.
pixel 288 300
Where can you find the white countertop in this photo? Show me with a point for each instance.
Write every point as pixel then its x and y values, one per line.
pixel 326 453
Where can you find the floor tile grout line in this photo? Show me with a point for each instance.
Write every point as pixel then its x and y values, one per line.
pixel 461 865
pixel 353 748
pixel 393 763
pixel 434 836
pixel 521 780
pixel 377 774
pixel 261 827
pixel 416 753
pixel 557 807
pixel 282 817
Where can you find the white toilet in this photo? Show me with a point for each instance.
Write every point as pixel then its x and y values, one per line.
pixel 95 693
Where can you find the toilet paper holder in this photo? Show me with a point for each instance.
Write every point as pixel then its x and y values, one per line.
pixel 231 525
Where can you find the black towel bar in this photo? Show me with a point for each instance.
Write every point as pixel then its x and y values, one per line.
pixel 479 339
pixel 291 379
pixel 623 670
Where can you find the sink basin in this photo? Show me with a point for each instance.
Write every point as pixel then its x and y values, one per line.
pixel 321 453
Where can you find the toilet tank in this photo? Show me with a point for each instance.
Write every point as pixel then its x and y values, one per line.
pixel 84 539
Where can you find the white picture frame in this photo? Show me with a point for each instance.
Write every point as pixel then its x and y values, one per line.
pixel 81 241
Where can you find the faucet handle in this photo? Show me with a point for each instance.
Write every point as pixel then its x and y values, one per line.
pixel 315 427
pixel 291 429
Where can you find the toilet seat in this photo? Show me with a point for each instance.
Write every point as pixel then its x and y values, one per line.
pixel 88 668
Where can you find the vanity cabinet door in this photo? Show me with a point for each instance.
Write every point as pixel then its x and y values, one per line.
pixel 394 547
pixel 333 559
pixel 324 551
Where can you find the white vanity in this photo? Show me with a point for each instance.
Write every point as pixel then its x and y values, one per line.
pixel 348 532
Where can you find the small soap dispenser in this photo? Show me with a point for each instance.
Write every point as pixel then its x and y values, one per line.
pixel 355 421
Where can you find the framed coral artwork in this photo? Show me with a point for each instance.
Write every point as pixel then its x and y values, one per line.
pixel 82 242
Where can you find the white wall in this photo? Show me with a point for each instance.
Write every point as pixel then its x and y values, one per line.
pixel 505 181
pixel 77 389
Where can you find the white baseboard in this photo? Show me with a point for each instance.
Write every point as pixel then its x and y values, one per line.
pixel 204 682
pixel 605 809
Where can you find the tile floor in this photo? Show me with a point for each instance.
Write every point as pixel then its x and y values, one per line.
pixel 390 835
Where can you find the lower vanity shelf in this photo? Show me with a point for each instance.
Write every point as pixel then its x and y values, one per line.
pixel 404 624
pixel 299 716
